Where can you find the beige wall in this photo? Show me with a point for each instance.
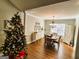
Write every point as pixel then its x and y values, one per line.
pixel 69 31
pixel 2 34
pixel 7 10
pixel 30 26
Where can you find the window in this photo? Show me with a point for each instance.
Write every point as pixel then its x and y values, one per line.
pixel 58 28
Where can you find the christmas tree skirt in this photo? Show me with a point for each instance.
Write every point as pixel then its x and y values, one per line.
pixel 4 57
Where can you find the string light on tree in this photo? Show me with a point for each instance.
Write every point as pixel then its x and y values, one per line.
pixel 15 41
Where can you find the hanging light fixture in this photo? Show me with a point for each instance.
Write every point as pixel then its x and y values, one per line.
pixel 53 20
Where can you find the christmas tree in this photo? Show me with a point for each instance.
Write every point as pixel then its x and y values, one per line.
pixel 15 41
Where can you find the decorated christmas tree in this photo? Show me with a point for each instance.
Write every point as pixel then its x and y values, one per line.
pixel 15 42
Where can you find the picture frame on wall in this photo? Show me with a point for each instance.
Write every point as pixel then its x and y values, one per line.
pixel 5 24
pixel 38 27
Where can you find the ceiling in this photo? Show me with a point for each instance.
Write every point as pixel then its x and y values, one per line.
pixel 30 4
pixel 68 9
pixel 64 9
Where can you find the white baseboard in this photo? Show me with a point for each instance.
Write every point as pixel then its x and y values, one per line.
pixel 28 42
pixel 31 42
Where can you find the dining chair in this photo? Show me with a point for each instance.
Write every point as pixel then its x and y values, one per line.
pixel 51 42
pixel 48 42
pixel 57 41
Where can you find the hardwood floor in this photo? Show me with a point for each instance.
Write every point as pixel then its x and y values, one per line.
pixel 38 51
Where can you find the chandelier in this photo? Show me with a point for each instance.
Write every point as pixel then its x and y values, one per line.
pixel 53 20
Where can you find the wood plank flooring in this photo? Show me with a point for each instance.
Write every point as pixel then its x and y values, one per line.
pixel 38 51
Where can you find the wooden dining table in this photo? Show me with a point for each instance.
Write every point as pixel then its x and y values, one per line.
pixel 50 40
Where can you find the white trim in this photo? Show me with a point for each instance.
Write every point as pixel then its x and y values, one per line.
pixel 31 42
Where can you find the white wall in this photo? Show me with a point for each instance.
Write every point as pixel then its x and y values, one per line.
pixel 30 26
pixel 69 33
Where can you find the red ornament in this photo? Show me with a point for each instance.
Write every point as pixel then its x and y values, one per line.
pixel 21 55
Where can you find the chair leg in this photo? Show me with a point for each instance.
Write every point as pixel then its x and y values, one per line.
pixel 45 43
pixel 58 45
